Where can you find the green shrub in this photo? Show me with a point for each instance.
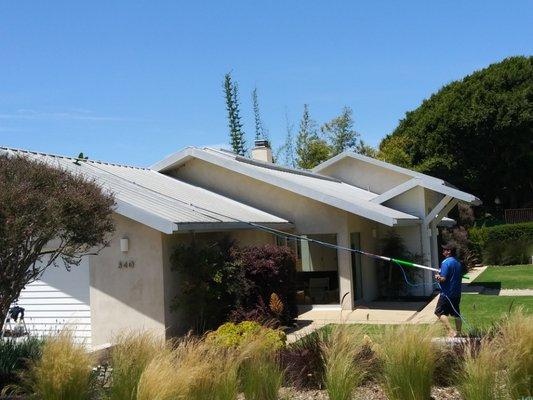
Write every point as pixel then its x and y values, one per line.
pixel 14 357
pixel 234 335
pixel 503 244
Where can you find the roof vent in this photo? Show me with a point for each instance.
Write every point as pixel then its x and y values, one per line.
pixel 262 151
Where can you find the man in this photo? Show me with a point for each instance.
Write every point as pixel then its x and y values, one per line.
pixel 450 278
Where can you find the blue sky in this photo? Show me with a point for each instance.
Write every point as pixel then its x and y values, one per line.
pixel 133 81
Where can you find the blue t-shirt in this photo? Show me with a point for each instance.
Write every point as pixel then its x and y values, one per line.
pixel 451 269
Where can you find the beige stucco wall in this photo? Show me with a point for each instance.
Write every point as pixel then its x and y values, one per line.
pixel 309 216
pixel 125 299
pixel 364 175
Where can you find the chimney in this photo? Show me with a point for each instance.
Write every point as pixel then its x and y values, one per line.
pixel 262 151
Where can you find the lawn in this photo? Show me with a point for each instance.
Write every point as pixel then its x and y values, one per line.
pixel 480 312
pixel 508 277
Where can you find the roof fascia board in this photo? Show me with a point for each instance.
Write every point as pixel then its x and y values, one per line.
pixel 222 226
pixel 449 191
pixel 437 210
pixel 396 191
pixel 138 214
pixel 172 160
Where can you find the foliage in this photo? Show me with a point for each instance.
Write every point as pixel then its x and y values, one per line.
pixel 261 378
pixel 514 344
pixel 14 358
pixel 345 369
pixel 40 204
pixel 310 149
pixel 485 119
pixel 303 361
pixel 237 136
pixel 408 363
pixel 260 131
pixel 62 372
pixel 340 132
pixel 478 379
pixel 235 335
pixel 211 282
pixel 503 244
pixel 267 269
pixel 391 279
pixel 129 357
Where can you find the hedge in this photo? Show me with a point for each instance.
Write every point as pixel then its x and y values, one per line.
pixel 503 244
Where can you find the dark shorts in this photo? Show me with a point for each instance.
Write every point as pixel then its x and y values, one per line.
pixel 444 306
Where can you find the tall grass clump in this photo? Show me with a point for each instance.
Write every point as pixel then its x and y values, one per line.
pixel 344 364
pixel 129 358
pixel 15 356
pixel 479 378
pixel 63 371
pixel 260 373
pixel 408 362
pixel 514 341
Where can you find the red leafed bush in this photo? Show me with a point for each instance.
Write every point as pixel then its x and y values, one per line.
pixel 268 269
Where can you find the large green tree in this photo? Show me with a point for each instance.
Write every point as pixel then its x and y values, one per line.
pixel 311 150
pixel 476 133
pixel 236 132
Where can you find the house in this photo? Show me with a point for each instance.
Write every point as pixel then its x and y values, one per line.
pixel 349 201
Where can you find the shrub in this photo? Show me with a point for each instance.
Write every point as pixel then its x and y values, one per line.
pixel 211 282
pixel 479 378
pixel 63 371
pixel 235 335
pixel 344 366
pixel 408 362
pixel 303 362
pixel 268 270
pixel 514 341
pixel 503 244
pixel 15 356
pixel 129 357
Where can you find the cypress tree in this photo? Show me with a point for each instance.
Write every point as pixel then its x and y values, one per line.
pixel 260 130
pixel 236 132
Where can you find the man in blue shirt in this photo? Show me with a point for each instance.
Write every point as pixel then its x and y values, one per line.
pixel 449 277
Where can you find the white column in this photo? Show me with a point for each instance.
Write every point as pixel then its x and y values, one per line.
pixel 345 270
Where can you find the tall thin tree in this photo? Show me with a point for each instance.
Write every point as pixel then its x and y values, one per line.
pixel 311 150
pixel 260 131
pixel 340 132
pixel 236 132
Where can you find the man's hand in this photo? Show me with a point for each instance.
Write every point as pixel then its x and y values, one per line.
pixel 440 278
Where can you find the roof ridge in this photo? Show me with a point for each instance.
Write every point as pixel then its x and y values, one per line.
pixel 70 158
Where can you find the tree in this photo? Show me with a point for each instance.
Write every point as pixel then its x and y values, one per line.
pixel 475 133
pixel 46 215
pixel 340 132
pixel 236 132
pixel 260 130
pixel 365 149
pixel 310 149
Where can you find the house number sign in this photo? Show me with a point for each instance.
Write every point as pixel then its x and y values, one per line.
pixel 126 264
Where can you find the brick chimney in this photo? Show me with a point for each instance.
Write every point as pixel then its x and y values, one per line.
pixel 262 151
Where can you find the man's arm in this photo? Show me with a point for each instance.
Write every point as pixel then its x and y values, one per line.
pixel 444 271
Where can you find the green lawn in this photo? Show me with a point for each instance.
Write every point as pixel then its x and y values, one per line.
pixel 508 277
pixel 480 312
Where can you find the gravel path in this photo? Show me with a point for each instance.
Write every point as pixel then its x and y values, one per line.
pixel 367 392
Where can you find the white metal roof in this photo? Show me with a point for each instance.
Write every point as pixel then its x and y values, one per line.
pixel 306 183
pixel 419 179
pixel 159 201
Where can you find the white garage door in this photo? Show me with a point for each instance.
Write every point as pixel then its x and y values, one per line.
pixel 59 299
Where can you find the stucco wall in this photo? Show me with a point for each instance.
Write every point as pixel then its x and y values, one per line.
pixel 364 175
pixel 125 299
